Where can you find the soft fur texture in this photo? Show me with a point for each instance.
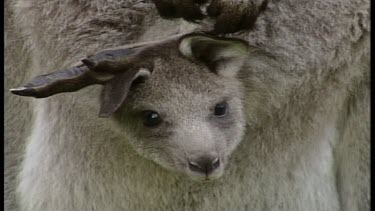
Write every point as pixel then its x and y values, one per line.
pixel 306 102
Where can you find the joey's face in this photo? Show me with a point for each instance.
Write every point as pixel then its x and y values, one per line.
pixel 186 115
pixel 185 118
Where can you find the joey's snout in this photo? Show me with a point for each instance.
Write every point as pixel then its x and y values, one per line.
pixel 205 165
pixel 205 168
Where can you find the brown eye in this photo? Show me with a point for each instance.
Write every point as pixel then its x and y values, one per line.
pixel 221 109
pixel 151 118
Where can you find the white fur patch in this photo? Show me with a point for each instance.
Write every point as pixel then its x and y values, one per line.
pixel 185 47
pixel 143 72
pixel 233 55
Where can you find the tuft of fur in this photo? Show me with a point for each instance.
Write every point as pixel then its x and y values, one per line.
pixel 305 99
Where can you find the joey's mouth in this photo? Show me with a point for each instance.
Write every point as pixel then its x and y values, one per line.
pixel 206 178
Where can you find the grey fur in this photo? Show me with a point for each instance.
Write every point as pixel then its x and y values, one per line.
pixel 305 100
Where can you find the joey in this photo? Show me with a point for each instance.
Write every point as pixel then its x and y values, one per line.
pixel 184 126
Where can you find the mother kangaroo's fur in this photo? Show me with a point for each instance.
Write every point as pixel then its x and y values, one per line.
pixel 307 140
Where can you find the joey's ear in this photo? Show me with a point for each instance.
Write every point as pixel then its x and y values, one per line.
pixel 116 90
pixel 224 56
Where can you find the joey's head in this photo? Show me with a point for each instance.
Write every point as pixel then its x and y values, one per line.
pixel 179 102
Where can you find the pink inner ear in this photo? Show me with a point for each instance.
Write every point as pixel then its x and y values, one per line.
pixel 115 92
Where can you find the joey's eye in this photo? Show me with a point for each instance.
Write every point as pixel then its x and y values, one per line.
pixel 221 109
pixel 151 118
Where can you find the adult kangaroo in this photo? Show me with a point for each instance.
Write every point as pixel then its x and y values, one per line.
pixel 272 117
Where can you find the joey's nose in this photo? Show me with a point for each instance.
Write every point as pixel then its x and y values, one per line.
pixel 204 165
